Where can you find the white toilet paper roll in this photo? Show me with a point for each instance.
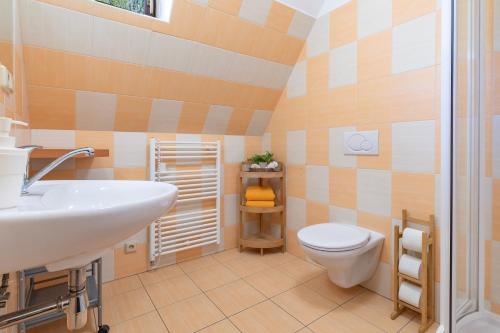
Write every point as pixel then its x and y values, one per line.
pixel 412 239
pixel 410 265
pixel 410 293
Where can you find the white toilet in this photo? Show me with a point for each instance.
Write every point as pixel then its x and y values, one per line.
pixel 349 253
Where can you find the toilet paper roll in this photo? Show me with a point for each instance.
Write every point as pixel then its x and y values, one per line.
pixel 410 265
pixel 412 239
pixel 410 293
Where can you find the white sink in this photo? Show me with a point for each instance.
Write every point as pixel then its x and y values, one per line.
pixel 67 224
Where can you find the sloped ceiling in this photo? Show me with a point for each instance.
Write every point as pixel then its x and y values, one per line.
pixel 217 68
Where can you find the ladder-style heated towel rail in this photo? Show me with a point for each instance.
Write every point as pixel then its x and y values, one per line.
pixel 195 168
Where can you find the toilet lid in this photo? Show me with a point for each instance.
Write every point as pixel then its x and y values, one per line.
pixel 333 237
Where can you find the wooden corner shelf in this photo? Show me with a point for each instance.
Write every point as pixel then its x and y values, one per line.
pixel 261 210
pixel 262 175
pixel 55 153
pixel 263 240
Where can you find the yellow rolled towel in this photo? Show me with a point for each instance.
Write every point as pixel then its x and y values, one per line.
pixel 260 204
pixel 260 193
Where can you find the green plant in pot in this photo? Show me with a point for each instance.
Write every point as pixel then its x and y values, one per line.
pixel 262 159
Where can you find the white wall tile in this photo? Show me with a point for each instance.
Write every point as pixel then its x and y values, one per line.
pixel 130 149
pixel 164 116
pixel 343 66
pixel 296 147
pixel 297 83
pixel 201 2
pixel 381 280
pixel 55 27
pixel 336 148
pixel 373 16
pixel 496 25
pixel 7 22
pixel 495 137
pixel 413 146
pixel 295 213
pixel 271 74
pixel 259 121
pixel 205 59
pixel 318 183
pixel 170 52
pixel 374 191
pixel 255 10
pixel 95 111
pixel 188 137
pixel 217 119
pixel 343 215
pixel 301 25
pixel 266 142
pixel 53 138
pixel 234 148
pixel 108 265
pixel 241 68
pixel 414 44
pixel 231 209
pixel 318 40
pixel 95 173
pixel 118 41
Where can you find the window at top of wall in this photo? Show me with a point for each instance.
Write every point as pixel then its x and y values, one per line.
pixel 156 8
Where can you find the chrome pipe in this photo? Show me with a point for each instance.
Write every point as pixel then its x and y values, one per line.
pixel 23 315
pixel 75 304
pixel 76 314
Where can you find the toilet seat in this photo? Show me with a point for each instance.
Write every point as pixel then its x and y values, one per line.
pixel 333 237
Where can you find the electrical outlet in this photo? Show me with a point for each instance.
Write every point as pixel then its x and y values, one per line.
pixel 130 247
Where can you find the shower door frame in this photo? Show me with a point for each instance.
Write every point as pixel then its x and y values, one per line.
pixel 474 118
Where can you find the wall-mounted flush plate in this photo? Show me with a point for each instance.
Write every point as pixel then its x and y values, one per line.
pixel 361 143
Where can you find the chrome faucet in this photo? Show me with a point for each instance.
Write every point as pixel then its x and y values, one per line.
pixel 88 151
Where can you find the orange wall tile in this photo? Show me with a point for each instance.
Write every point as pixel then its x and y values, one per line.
pixel 317 153
pixel 295 185
pixel 131 173
pixel 132 114
pixel 98 140
pixel 415 192
pixel 231 7
pixel 239 121
pixel 375 55
pixel 51 108
pixel 231 178
pixel 316 213
pixel 405 10
pixel 127 264
pixel 496 209
pixel 280 17
pixel 343 24
pixel 192 118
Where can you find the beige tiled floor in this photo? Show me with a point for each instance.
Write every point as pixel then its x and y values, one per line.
pixel 233 292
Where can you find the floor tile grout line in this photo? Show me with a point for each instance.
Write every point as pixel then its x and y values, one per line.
pixel 205 294
pixel 156 310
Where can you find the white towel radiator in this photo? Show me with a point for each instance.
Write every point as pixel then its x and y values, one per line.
pixel 195 168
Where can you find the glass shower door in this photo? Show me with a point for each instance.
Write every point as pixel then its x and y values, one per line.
pixel 465 217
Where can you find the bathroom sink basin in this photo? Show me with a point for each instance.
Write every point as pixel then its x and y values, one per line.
pixel 68 224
